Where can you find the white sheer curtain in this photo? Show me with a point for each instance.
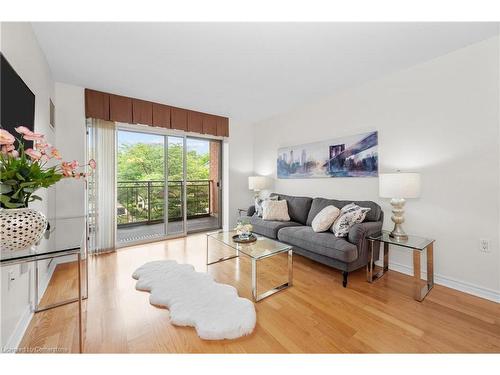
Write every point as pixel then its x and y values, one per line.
pixel 102 187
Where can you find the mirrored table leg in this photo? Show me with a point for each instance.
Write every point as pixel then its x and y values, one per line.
pixel 422 291
pixel 371 262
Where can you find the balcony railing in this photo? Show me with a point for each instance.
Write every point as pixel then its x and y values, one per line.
pixel 143 202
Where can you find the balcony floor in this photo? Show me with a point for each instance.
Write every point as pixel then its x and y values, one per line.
pixel 148 232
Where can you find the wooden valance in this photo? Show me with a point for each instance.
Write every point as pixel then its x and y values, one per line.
pixel 110 107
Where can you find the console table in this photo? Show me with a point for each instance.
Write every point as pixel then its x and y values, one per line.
pixel 36 254
pixel 417 245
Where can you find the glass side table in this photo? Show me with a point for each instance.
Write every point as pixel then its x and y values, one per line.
pixel 418 245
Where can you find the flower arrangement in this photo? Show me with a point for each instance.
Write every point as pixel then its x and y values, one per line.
pixel 243 228
pixel 23 171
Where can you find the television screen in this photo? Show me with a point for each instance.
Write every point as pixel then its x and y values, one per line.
pixel 17 101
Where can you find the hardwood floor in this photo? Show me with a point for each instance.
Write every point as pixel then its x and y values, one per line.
pixel 316 315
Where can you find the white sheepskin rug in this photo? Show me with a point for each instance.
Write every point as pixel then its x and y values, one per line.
pixel 195 299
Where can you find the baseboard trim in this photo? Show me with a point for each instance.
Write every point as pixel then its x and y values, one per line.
pixel 476 290
pixel 17 335
pixel 44 283
pixel 22 324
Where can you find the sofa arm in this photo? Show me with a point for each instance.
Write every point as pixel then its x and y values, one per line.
pixel 359 231
pixel 251 210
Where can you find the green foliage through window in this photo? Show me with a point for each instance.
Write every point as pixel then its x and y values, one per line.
pixel 140 173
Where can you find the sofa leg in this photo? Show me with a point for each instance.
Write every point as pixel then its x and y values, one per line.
pixel 344 281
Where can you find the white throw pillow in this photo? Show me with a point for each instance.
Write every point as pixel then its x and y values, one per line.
pixel 275 210
pixel 325 218
pixel 352 214
pixel 259 201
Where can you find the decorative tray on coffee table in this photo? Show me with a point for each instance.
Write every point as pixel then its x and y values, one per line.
pixel 251 238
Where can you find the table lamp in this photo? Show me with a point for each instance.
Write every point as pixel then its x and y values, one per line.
pixel 258 183
pixel 398 187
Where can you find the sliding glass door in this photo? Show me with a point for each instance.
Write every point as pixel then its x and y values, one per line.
pixel 203 164
pixel 176 217
pixel 140 186
pixel 167 185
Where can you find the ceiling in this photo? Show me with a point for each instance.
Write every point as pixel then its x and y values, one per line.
pixel 247 71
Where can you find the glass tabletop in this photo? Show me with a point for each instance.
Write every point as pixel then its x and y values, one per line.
pixel 413 242
pixel 261 248
pixel 49 246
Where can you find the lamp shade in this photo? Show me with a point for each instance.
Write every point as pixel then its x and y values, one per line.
pixel 399 185
pixel 258 183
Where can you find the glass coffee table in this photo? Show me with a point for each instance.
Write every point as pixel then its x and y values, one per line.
pixel 261 249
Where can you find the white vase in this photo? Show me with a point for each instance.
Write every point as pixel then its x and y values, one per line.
pixel 20 228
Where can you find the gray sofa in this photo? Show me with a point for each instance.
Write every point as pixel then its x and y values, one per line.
pixel 346 254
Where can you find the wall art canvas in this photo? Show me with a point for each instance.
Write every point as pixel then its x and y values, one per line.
pixel 351 156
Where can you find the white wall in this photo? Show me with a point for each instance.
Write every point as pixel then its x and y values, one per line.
pixel 71 142
pixel 20 47
pixel 240 166
pixel 439 118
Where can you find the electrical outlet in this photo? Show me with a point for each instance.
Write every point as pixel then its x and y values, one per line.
pixel 484 245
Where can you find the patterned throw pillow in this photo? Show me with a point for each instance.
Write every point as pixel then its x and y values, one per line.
pixel 349 208
pixel 259 201
pixel 325 218
pixel 275 210
pixel 349 215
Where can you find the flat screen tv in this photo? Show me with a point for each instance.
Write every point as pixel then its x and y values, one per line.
pixel 17 101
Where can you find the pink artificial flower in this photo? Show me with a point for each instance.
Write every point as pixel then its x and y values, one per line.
pixel 92 164
pixel 67 169
pixel 6 138
pixel 33 154
pixel 74 164
pixel 9 150
pixel 28 134
pixel 42 146
pixel 54 152
pixel 23 130
pixel 34 137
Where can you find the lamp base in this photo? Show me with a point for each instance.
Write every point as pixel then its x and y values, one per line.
pixel 398 218
pixel 398 236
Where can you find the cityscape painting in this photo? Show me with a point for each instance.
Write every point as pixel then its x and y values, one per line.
pixel 352 156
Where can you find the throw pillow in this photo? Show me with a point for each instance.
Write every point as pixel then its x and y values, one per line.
pixel 348 208
pixel 325 218
pixel 362 215
pixel 275 210
pixel 351 215
pixel 259 201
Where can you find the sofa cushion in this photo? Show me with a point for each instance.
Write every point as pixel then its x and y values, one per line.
pixel 268 228
pixel 298 207
pixel 319 203
pixel 324 243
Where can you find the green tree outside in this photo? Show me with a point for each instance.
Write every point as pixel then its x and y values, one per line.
pixel 145 162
